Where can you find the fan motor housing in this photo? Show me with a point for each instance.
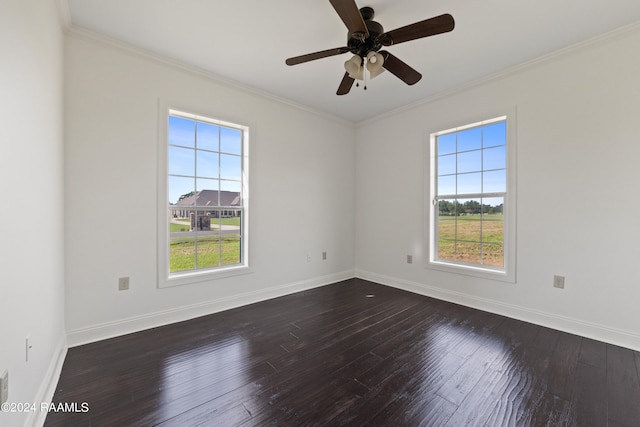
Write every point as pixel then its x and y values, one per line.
pixel 362 47
pixel 367 13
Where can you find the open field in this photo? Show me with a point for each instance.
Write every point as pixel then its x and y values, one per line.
pixel 211 250
pixel 472 238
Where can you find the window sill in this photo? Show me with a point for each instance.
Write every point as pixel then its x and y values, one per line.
pixel 470 270
pixel 179 279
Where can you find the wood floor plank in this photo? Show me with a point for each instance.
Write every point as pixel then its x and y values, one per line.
pixel 334 340
pixel 589 395
pixel 546 339
pixel 563 365
pixel 457 387
pixel 353 353
pixel 480 402
pixel 428 412
pixel 623 386
pixel 234 416
pixel 593 353
pixel 419 402
pixel 262 396
pixel 523 390
pixel 403 386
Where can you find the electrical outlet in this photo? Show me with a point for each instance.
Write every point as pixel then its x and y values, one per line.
pixel 558 282
pixel 324 255
pixel 123 284
pixel 409 259
pixel 308 258
pixel 4 387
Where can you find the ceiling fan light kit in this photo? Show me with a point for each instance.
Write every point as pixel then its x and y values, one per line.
pixel 366 37
pixel 354 68
pixel 375 64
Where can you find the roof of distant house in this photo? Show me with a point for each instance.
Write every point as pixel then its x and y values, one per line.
pixel 211 198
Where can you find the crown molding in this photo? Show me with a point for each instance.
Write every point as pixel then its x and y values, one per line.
pixel 64 14
pixel 92 36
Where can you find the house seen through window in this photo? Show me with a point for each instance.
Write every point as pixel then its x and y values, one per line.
pixel 206 193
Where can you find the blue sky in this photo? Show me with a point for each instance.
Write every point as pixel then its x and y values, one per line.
pixel 473 160
pixel 205 155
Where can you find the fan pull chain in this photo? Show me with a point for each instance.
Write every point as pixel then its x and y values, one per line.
pixel 364 71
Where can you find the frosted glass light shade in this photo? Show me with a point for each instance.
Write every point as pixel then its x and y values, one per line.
pixel 374 64
pixel 354 67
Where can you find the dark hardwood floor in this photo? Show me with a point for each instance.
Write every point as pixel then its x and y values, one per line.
pixel 338 356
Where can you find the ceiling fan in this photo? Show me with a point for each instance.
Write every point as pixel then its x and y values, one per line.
pixel 365 39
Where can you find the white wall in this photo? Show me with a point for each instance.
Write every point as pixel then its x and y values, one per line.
pixel 31 185
pixel 301 189
pixel 577 170
pixel 577 151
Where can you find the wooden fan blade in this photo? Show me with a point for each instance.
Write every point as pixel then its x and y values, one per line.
pixel 345 85
pixel 350 14
pixel 400 69
pixel 316 55
pixel 428 27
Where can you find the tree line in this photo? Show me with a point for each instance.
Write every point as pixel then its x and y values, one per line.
pixel 469 207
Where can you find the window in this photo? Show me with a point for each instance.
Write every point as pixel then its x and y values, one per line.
pixel 205 198
pixel 472 211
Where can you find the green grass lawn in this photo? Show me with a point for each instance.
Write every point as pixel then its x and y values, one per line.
pixel 176 228
pixel 227 221
pixel 215 222
pixel 212 251
pixel 472 238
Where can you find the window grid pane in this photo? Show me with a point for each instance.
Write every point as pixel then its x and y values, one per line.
pixel 470 220
pixel 204 170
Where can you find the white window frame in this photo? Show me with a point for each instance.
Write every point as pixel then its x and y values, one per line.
pixel 508 273
pixel 165 277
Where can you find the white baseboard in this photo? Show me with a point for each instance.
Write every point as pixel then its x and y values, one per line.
pixel 583 328
pixel 49 383
pixel 138 323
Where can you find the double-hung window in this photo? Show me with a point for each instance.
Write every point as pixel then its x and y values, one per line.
pixel 472 202
pixel 205 199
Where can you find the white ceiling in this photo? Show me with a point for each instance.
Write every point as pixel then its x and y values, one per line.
pixel 248 41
